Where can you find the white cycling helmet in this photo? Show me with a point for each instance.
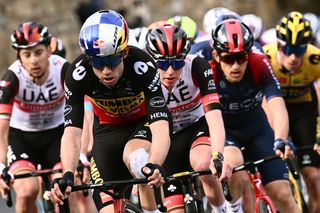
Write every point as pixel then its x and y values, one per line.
pixel 255 24
pixel 138 37
pixel 314 22
pixel 211 16
pixel 268 36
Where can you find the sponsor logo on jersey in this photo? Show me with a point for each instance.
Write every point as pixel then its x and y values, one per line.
pixel 157 102
pixel 140 67
pixel 120 105
pixel 208 72
pixel 158 115
pixel 79 72
pixel 154 85
pixel 67 110
pixel 4 83
pixel 67 122
pixel 211 85
pixel 67 92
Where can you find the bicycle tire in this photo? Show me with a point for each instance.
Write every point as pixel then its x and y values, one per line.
pixel 264 207
pixel 297 194
pixel 131 208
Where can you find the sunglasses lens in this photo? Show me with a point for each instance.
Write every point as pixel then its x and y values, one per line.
pixel 178 64
pixel 109 61
pixel 297 50
pixel 165 64
pixel 231 59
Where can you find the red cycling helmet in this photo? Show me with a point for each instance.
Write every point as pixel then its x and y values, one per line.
pixel 232 36
pixel 168 42
pixel 30 34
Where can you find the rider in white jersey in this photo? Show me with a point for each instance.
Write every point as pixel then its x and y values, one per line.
pixel 35 107
pixel 31 112
pixel 190 94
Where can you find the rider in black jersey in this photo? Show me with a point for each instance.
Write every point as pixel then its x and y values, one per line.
pixel 124 88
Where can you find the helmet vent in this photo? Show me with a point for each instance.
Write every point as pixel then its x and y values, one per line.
pixel 235 40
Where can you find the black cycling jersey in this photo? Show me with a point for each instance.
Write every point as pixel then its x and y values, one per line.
pixel 137 93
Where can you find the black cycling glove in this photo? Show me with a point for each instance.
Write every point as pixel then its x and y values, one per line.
pixel 66 180
pixel 152 167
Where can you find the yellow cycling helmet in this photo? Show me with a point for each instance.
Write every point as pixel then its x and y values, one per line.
pixel 294 30
pixel 186 23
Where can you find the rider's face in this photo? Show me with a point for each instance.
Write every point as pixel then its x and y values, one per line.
pixel 35 60
pixel 232 65
pixel 109 76
pixel 290 62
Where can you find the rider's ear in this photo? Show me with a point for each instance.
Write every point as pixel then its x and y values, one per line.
pixel 215 55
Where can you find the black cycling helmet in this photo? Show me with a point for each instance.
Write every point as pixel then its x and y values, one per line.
pixel 57 47
pixel 232 36
pixel 168 42
pixel 294 29
pixel 30 34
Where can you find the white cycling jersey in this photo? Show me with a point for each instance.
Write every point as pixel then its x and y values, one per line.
pixel 184 101
pixel 36 107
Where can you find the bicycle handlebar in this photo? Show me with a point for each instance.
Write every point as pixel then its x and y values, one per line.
pixel 110 184
pixel 249 164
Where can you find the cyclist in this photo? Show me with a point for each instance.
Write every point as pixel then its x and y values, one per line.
pixel 242 78
pixel 31 109
pixel 124 88
pixel 190 94
pixel 296 65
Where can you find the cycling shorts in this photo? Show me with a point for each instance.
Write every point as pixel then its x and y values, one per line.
pixel 41 147
pixel 107 152
pixel 178 159
pixel 258 139
pixel 303 127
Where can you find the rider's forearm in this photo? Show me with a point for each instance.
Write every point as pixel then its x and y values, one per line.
pixel 216 130
pixel 4 131
pixel 70 148
pixel 280 117
pixel 160 141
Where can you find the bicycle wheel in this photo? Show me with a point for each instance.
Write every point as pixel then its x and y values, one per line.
pixel 297 194
pixel 131 208
pixel 264 207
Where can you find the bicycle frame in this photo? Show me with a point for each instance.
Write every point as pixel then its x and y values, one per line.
pixel 187 179
pixel 259 191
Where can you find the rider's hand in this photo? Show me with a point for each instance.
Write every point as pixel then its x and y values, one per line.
pixel 155 174
pixel 284 148
pixel 5 180
pixel 219 168
pixel 61 187
pixel 316 147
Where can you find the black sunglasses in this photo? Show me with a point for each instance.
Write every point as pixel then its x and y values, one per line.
pixel 175 63
pixel 232 58
pixel 110 61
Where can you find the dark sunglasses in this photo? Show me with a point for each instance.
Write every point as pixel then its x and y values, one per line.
pixel 110 61
pixel 165 64
pixel 231 59
pixel 297 50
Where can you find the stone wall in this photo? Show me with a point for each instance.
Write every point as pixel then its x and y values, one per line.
pixel 62 21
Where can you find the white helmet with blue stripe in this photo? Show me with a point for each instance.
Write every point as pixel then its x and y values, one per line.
pixel 104 33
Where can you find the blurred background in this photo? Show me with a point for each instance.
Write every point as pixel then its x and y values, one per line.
pixel 64 17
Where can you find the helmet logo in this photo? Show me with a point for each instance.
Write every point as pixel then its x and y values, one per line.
pixel 295 29
pixel 99 44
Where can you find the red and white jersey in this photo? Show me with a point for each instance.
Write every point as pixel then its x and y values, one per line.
pixel 193 94
pixel 33 107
